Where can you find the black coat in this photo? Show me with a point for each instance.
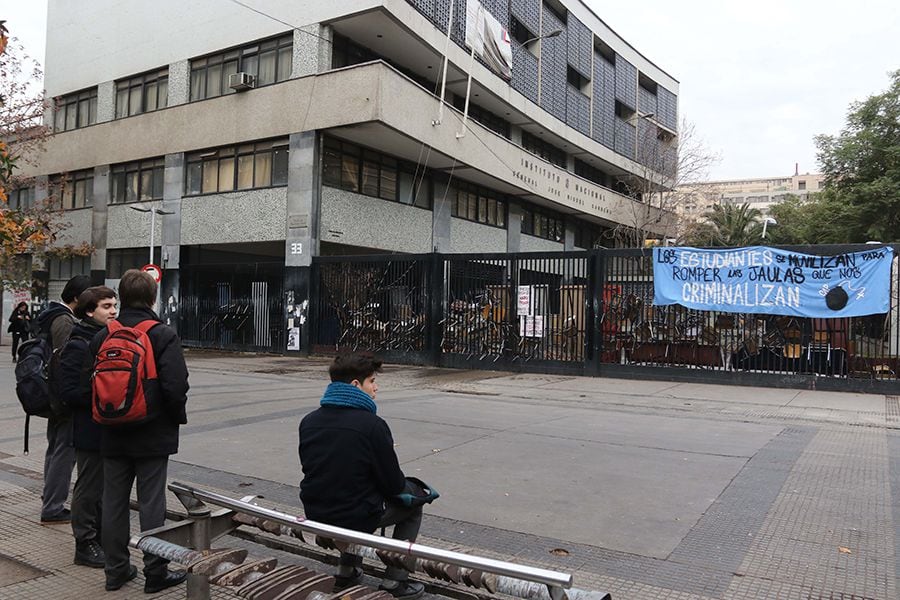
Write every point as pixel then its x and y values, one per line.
pixel 158 437
pixel 72 381
pixel 19 323
pixel 349 467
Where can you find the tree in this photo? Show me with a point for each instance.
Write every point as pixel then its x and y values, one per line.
pixel 726 225
pixel 29 230
pixel 862 169
pixel 665 165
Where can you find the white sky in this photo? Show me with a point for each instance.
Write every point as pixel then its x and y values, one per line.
pixel 758 79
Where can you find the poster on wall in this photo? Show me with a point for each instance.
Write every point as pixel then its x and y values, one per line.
pixel 523 304
pixel 765 280
pixel 293 341
pixel 531 326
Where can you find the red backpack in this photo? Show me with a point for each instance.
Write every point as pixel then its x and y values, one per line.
pixel 124 375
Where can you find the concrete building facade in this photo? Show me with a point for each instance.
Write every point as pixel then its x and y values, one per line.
pixel 696 199
pixel 257 137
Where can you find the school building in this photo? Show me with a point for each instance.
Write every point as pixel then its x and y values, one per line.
pixel 253 136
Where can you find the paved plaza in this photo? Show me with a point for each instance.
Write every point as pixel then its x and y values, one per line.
pixel 645 489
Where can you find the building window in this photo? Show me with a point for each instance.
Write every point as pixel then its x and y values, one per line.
pixel 120 260
pixel 76 110
pixel 21 199
pixel 137 181
pixel 478 204
pixel 543 224
pixel 801 185
pixel 144 93
pixel 519 32
pixel 547 151
pixel 245 167
pixel 483 116
pixel 61 269
pixel 370 173
pixel 577 80
pixel 75 189
pixel 586 235
pixel 345 53
pixel 582 169
pixel 268 62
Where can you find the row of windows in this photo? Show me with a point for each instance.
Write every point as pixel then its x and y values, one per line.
pixel 583 169
pixel 144 93
pixel 475 203
pixel 363 171
pixel 268 62
pixel 496 124
pixel 545 150
pixel 66 268
pixel 76 189
pixel 76 110
pixel 543 224
pixel 243 167
pixel 20 199
pixel 138 181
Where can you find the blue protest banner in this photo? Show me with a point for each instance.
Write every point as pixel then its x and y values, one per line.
pixel 766 280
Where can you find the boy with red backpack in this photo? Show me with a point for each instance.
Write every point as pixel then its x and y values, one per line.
pixel 141 409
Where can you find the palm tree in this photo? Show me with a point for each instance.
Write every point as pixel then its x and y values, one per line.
pixel 728 225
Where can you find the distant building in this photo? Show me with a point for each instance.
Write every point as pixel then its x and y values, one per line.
pixel 694 200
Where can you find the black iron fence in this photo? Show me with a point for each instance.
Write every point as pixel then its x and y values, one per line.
pixel 253 323
pixel 584 312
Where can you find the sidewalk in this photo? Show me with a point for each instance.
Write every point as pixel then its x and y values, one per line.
pixel 650 490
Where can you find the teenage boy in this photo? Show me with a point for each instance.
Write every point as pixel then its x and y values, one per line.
pixel 55 324
pixel 141 451
pixel 95 307
pixel 350 469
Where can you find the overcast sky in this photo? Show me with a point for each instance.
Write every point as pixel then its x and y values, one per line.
pixel 758 79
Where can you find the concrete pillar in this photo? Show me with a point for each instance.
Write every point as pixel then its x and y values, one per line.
pixel 441 215
pixel 106 101
pixel 569 239
pixel 99 223
pixel 301 229
pixel 514 228
pixel 179 83
pixel 40 267
pixel 312 50
pixel 170 239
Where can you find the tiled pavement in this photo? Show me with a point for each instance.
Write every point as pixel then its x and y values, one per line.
pixel 809 516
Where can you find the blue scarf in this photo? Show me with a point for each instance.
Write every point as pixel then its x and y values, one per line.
pixel 343 394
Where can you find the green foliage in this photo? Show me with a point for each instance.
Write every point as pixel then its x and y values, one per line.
pixel 726 225
pixel 861 201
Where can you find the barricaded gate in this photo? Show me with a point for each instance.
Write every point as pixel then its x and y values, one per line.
pixel 586 313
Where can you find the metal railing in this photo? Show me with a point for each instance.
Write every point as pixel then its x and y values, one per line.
pixel 586 313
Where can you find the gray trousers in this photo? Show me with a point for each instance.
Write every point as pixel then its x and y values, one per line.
pixel 58 463
pixel 86 497
pixel 406 522
pixel 119 473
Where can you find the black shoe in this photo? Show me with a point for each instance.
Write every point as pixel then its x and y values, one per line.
pixel 159 583
pixel 341 582
pixel 90 554
pixel 64 516
pixel 405 590
pixel 117 582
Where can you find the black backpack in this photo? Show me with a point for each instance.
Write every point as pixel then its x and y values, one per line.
pixel 34 365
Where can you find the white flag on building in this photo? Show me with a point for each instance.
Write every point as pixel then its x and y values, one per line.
pixel 488 38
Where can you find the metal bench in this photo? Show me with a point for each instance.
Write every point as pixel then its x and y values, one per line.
pixel 187 542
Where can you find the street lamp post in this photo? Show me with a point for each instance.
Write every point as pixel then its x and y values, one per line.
pixel 766 222
pixel 552 34
pixel 153 212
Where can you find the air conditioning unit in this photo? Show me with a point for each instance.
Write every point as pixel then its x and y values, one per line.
pixel 241 81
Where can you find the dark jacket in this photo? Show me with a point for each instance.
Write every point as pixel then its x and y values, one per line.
pixel 72 381
pixel 19 323
pixel 55 321
pixel 349 467
pixel 159 436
